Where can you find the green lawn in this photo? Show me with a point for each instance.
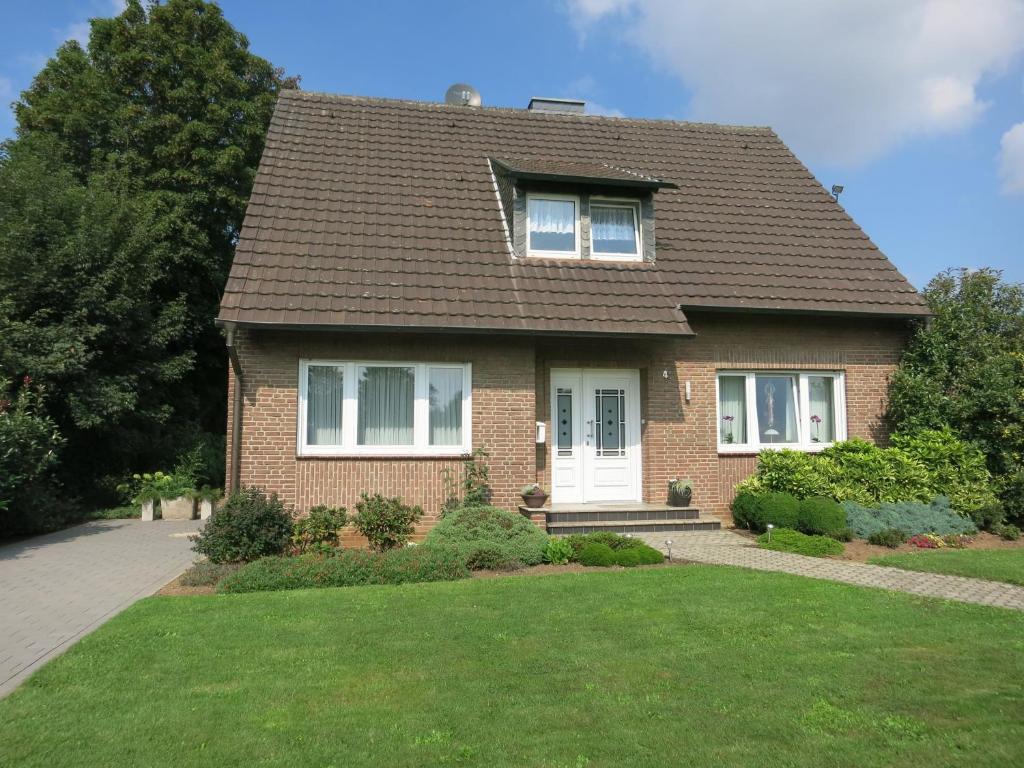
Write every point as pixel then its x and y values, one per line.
pixel 993 564
pixel 692 665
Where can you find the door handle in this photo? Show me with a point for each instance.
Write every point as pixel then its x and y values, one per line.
pixel 590 430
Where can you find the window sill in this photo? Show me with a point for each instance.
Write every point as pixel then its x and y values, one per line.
pixel 753 450
pixel 377 456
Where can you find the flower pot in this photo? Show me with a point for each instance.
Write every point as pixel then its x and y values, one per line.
pixel 181 508
pixel 147 510
pixel 535 500
pixel 205 509
pixel 680 497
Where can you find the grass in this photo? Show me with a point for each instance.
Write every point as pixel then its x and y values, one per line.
pixel 113 513
pixel 992 564
pixel 693 665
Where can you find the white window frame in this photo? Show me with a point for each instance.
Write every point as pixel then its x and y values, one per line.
pixel 350 411
pixel 530 250
pixel 801 398
pixel 616 202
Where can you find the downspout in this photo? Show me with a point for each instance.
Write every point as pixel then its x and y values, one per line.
pixel 236 411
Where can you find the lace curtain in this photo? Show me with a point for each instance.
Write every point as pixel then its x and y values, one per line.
pixel 385 408
pixel 732 409
pixel 445 406
pixel 821 419
pixel 613 229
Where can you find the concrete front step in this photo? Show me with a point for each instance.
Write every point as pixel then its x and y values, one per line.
pixel 636 526
pixel 626 514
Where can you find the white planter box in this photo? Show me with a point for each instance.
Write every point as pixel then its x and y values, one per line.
pixel 147 510
pixel 181 508
pixel 205 509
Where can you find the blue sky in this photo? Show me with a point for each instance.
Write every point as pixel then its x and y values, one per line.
pixel 916 107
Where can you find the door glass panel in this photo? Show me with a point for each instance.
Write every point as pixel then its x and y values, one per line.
pixel 563 421
pixel 610 430
pixel 776 409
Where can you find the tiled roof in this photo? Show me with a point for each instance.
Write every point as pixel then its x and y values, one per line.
pixel 551 169
pixel 373 212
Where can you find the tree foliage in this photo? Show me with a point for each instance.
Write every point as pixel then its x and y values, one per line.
pixel 965 369
pixel 120 203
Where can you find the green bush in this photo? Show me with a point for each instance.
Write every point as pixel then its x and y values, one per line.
pixel 1007 531
pixel 250 525
pixel 481 555
pixel 318 531
pixel 778 509
pixel 745 511
pixel 989 517
pixel 820 515
pixel 843 534
pixel 889 537
pixel 474 526
pixel 597 554
pixel 615 542
pixel 558 551
pixel 386 523
pixel 917 467
pixel 207 574
pixel 347 568
pixel 911 517
pixel 649 555
pixel 785 540
pixel 628 558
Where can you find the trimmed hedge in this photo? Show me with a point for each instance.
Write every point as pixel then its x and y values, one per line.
pixel 618 543
pixel 911 517
pixel 598 554
pixel 820 515
pixel 481 528
pixel 347 568
pixel 917 467
pixel 757 511
pixel 784 540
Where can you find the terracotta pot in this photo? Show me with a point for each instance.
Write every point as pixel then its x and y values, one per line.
pixel 535 500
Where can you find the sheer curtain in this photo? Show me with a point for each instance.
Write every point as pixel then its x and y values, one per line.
pixel 385 409
pixel 552 225
pixel 324 396
pixel 776 410
pixel 613 229
pixel 821 419
pixel 445 406
pixel 732 409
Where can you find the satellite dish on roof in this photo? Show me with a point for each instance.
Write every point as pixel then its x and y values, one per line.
pixel 462 95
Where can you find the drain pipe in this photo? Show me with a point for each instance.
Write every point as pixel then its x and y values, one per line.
pixel 236 410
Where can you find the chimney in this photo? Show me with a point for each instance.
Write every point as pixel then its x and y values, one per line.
pixel 558 106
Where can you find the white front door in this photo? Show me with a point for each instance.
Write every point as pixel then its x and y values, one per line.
pixel 595 436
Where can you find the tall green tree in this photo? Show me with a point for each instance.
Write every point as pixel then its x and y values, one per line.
pixel 965 368
pixel 166 101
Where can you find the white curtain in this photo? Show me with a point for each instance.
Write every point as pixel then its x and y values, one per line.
pixel 324 395
pixel 385 412
pixel 613 229
pixel 446 406
pixel 776 409
pixel 732 409
pixel 821 419
pixel 553 216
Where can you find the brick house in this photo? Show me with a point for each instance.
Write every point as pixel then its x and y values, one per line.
pixel 601 304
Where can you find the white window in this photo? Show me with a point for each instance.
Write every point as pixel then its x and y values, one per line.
pixel 384 408
pixel 553 226
pixel 780 409
pixel 614 230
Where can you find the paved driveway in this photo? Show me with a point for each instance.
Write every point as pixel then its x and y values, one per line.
pixel 56 588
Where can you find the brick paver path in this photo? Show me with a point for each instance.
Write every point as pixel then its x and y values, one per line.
pixel 56 588
pixel 726 548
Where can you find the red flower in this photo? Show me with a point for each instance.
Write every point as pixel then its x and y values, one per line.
pixel 727 418
pixel 27 381
pixel 816 419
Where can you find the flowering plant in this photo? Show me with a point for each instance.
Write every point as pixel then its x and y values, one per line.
pixel 728 421
pixel 926 541
pixel 816 420
pixel 957 540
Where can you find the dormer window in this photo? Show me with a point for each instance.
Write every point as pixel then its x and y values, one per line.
pixel 553 226
pixel 614 230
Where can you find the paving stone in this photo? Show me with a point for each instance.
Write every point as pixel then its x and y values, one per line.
pixel 59 587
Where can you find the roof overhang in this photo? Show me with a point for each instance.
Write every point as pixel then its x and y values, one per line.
pixel 583 174
pixel 804 312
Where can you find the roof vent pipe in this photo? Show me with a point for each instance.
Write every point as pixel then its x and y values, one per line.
pixel 559 106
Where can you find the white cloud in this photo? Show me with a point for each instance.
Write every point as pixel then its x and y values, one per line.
pixel 6 87
pixel 594 108
pixel 78 31
pixel 843 81
pixel 1011 160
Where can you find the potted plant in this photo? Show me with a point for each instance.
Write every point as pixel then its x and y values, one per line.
pixel 680 493
pixel 145 489
pixel 533 496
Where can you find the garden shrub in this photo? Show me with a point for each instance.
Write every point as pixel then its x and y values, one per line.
pixel 481 555
pixel 649 555
pixel 628 558
pixel 319 530
pixel 917 467
pixel 784 540
pixel 1007 531
pixel 616 542
pixel 248 526
pixel 911 517
pixel 207 574
pixel 820 515
pixel 558 551
pixel 888 537
pixel 745 511
pixel 347 568
pixel 779 509
pixel 511 533
pixel 989 517
pixel 597 554
pixel 843 534
pixel 385 522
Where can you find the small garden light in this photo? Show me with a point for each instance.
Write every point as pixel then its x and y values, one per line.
pixel 770 527
pixel 668 543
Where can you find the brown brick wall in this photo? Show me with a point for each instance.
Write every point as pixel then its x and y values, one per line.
pixel 678 437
